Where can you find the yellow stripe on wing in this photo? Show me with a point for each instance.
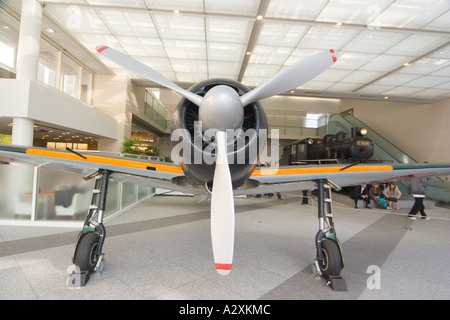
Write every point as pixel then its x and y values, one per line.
pixel 318 170
pixel 106 160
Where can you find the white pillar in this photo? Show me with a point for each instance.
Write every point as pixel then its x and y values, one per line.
pixel 27 63
pixel 29 39
pixel 22 131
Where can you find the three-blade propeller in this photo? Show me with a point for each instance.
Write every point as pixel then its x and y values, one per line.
pixel 222 109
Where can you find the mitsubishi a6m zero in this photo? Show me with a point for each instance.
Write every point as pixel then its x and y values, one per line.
pixel 220 129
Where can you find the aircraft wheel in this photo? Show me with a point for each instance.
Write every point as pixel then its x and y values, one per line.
pixel 331 265
pixel 86 254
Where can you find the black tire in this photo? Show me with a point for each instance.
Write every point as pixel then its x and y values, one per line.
pixel 86 254
pixel 331 265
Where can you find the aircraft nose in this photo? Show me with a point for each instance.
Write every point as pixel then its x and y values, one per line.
pixel 221 109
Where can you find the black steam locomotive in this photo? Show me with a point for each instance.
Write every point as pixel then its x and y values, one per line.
pixel 340 147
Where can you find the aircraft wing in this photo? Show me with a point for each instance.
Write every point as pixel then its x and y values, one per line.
pixel 144 172
pixel 303 177
pixel 265 179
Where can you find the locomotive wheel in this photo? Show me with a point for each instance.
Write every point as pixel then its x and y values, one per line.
pixel 331 265
pixel 86 254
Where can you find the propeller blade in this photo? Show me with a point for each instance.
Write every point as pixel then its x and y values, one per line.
pixel 222 209
pixel 142 70
pixel 292 77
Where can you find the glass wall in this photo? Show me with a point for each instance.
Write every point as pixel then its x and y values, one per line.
pixel 155 109
pixel 7 55
pixel 9 38
pixel 56 69
pixel 38 194
pixel 61 195
pixel 295 127
pixel 70 75
pixel 16 191
pixel 86 85
pixel 48 64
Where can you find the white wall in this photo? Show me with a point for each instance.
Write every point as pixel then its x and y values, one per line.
pixel 420 130
pixel 24 98
pixel 299 105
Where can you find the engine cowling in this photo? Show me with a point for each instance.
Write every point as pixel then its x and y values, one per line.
pixel 197 149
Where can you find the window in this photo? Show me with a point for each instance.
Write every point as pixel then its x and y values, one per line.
pixel 64 145
pixel 312 120
pixel 9 37
pixel 86 85
pixel 294 149
pixel 70 76
pixel 7 55
pixel 48 62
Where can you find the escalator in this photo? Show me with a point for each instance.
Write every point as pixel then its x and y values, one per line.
pixel 384 151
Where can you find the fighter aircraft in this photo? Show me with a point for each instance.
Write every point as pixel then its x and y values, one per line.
pixel 219 130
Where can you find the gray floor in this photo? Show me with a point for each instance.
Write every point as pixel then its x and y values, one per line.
pixel 161 249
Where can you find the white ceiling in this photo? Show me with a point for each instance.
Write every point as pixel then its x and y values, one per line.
pixel 210 38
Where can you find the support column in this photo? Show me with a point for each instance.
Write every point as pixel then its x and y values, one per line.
pixel 27 63
pixel 22 131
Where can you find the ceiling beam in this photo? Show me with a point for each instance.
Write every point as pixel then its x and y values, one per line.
pixel 257 26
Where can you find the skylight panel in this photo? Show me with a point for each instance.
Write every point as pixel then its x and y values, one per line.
pixel 281 34
pixel 417 44
pixel 319 37
pixel 270 55
pixel 236 7
pixel 192 5
pixel 295 9
pixel 360 12
pixel 180 27
pixel 413 14
pixel 228 30
pixel 181 49
pixel 226 51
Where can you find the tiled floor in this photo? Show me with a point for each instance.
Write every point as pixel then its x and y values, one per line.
pixel 161 249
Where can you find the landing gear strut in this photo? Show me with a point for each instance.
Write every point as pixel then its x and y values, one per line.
pixel 329 259
pixel 88 256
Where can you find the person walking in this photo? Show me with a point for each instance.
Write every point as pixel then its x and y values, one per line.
pixel 418 188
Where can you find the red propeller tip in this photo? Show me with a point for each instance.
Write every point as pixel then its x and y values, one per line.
pixel 333 55
pixel 100 50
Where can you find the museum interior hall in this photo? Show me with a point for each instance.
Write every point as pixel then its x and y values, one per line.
pixel 173 134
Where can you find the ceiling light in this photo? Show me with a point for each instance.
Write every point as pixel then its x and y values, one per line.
pixel 338 24
pixel 406 64
pixel 176 12
pixel 50 30
pixel 386 97
pixel 248 53
pixel 259 18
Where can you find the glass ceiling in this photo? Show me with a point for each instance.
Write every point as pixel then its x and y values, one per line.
pixel 206 39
